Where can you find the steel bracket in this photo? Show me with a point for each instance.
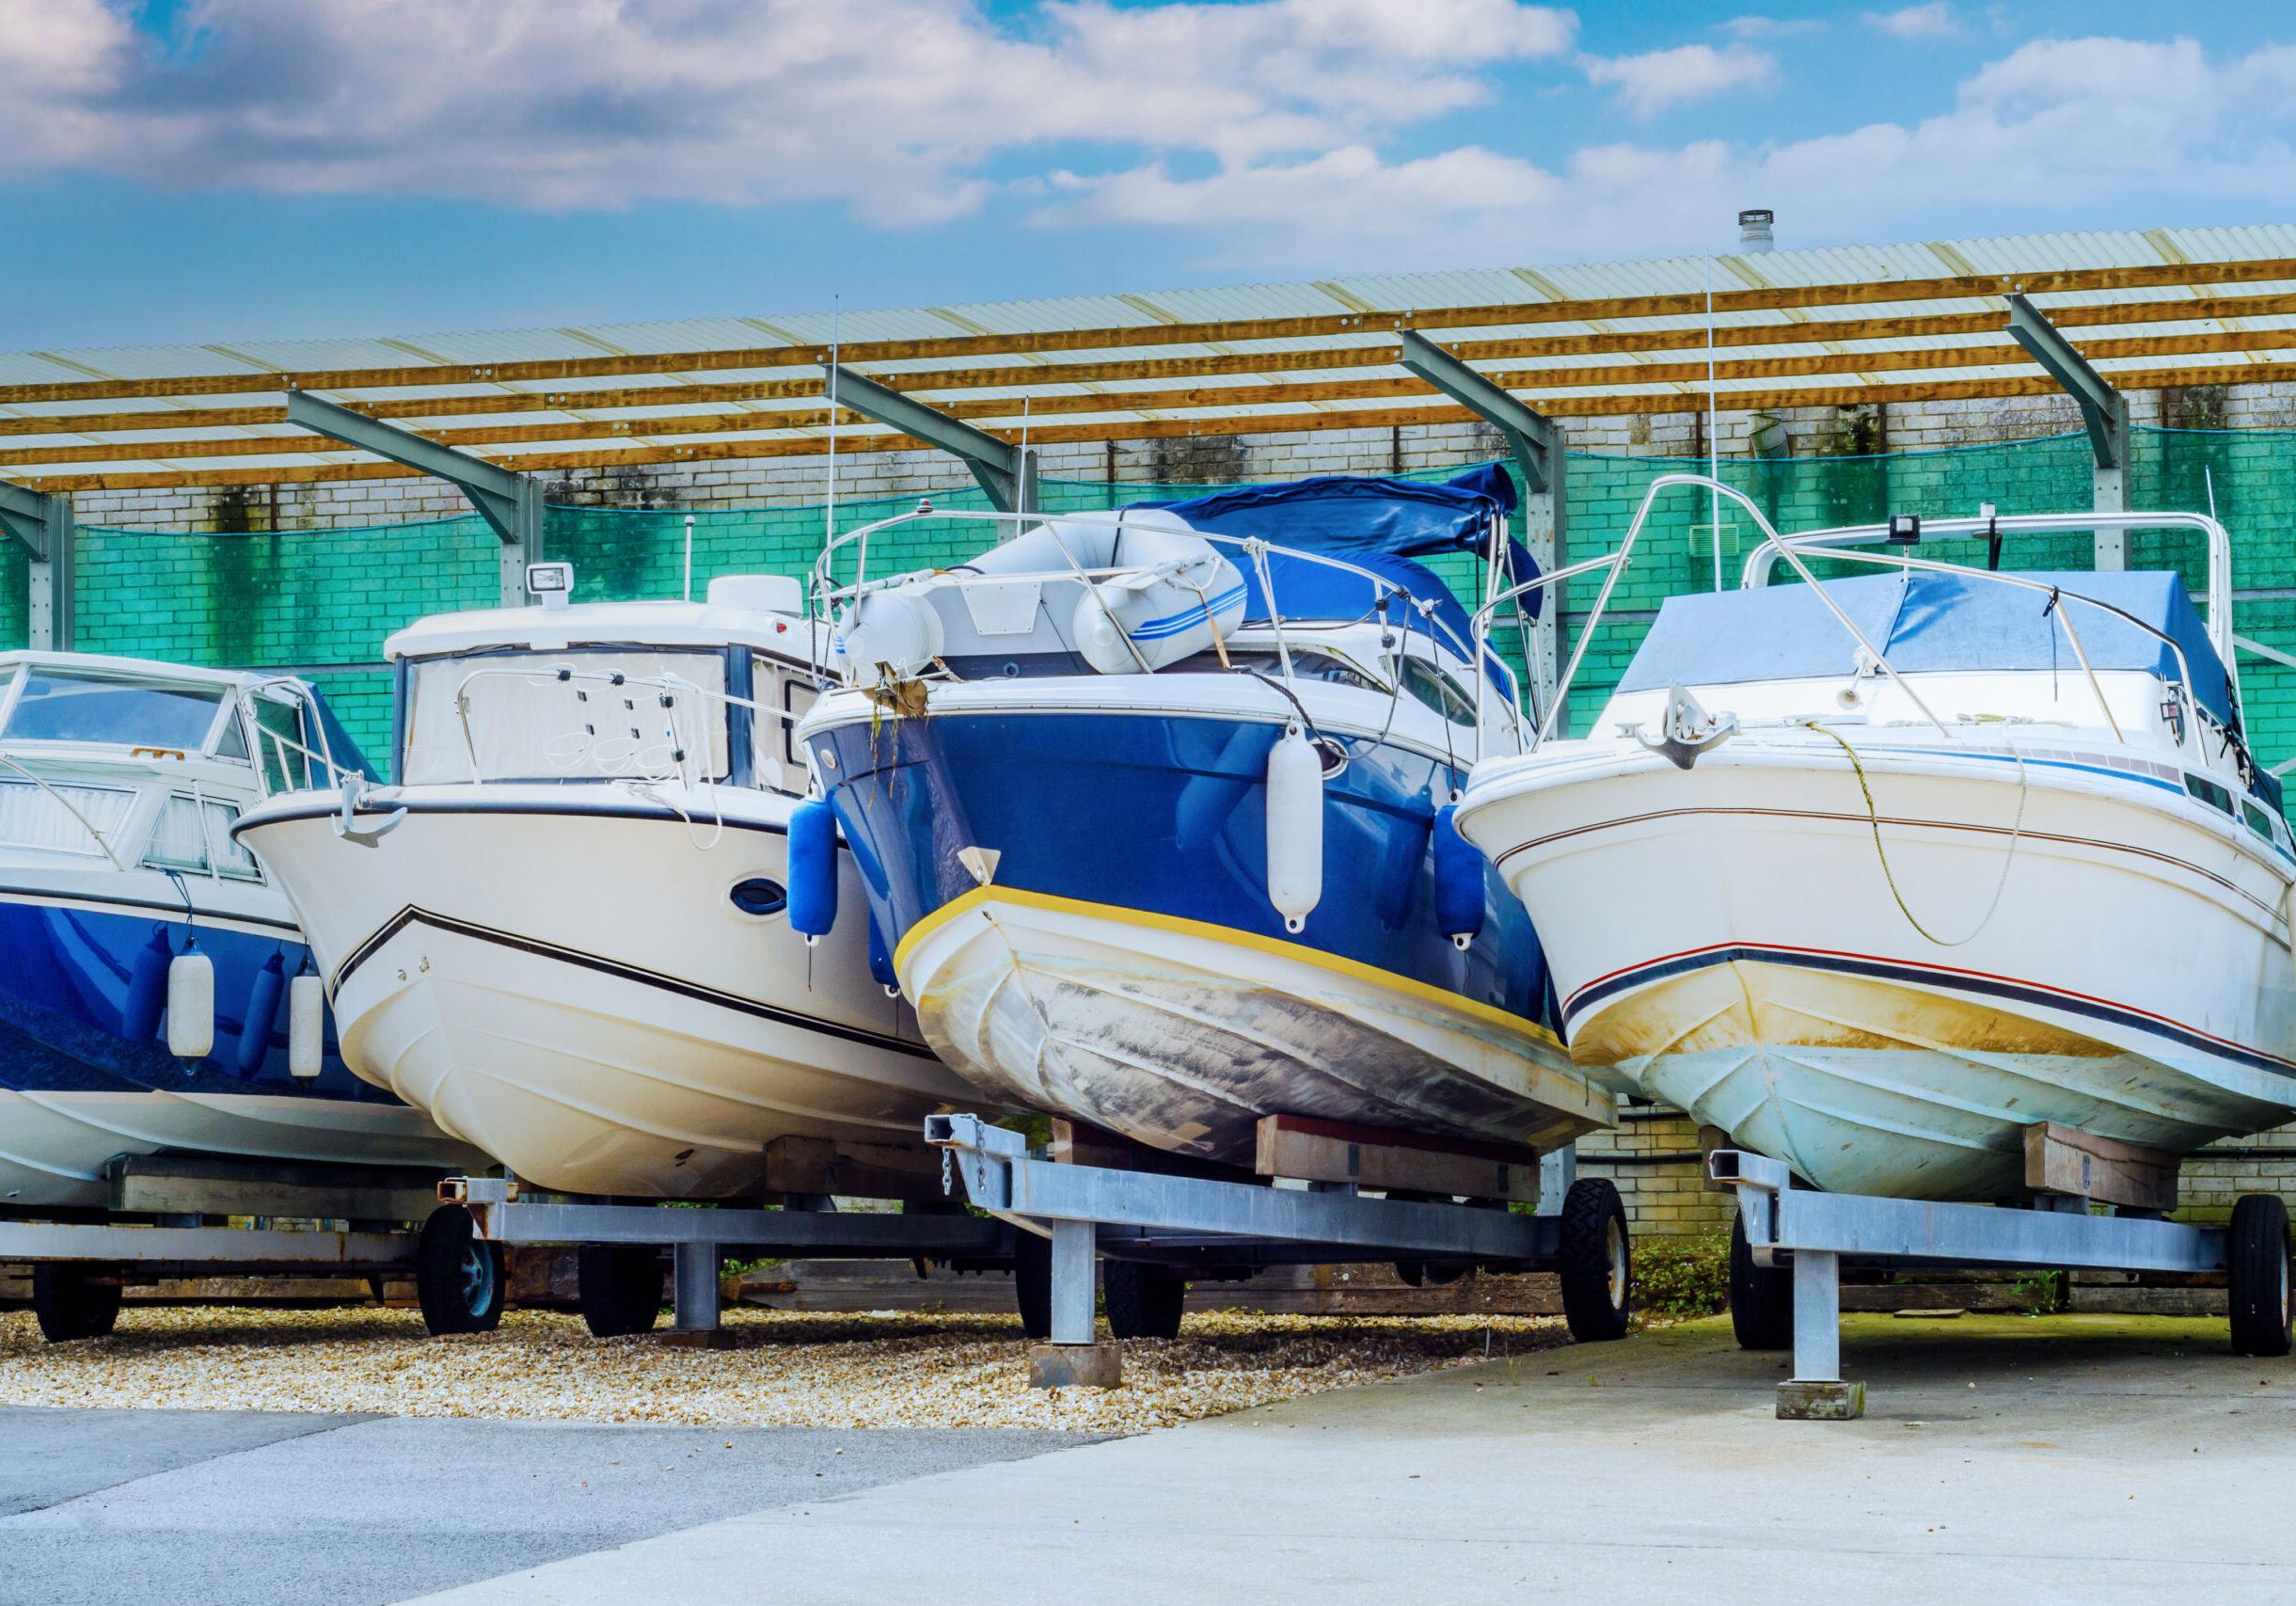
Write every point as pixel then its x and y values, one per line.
pixel 1004 470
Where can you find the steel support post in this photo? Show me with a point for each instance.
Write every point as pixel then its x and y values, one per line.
pixel 694 1283
pixel 1817 1316
pixel 1004 470
pixel 1541 449
pixel 511 502
pixel 2104 412
pixel 41 523
pixel 1557 1170
pixel 1073 1282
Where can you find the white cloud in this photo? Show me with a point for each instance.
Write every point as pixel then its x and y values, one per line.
pixel 893 104
pixel 1772 27
pixel 1936 20
pixel 1660 80
pixel 2051 129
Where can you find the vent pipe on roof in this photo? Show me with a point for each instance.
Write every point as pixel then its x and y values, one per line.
pixel 1754 231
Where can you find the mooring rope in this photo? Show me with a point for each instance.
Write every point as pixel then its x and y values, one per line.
pixel 1873 817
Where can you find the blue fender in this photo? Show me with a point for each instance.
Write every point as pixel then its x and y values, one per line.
pixel 812 868
pixel 1459 879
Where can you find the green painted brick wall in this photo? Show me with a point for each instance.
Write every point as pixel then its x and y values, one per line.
pixel 329 598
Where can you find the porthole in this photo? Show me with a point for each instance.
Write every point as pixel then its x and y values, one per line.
pixel 758 898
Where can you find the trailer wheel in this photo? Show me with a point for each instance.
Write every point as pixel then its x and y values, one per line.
pixel 620 1288
pixel 459 1277
pixel 1761 1296
pixel 70 1302
pixel 1032 1282
pixel 1143 1299
pixel 2257 1256
pixel 1598 1267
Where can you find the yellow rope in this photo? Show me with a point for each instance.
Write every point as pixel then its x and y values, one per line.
pixel 1873 817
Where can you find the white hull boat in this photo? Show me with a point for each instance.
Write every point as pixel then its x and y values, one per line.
pixel 151 969
pixel 1909 889
pixel 593 975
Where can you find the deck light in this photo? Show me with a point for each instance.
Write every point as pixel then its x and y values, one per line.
pixel 551 583
pixel 1905 528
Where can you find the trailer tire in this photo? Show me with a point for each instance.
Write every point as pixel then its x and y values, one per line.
pixel 1761 1296
pixel 619 1287
pixel 1032 1282
pixel 1143 1299
pixel 459 1277
pixel 1597 1262
pixel 2256 1257
pixel 70 1302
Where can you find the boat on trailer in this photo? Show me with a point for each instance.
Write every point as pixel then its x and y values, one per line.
pixel 157 994
pixel 564 930
pixel 1151 805
pixel 1876 873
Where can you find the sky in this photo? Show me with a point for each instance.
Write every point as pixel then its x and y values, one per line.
pixel 212 170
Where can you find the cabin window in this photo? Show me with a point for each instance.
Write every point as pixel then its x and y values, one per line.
pixel 1306 664
pixel 798 694
pixel 195 834
pixel 589 714
pixel 117 709
pixel 58 819
pixel 2259 822
pixel 2208 791
pixel 1437 689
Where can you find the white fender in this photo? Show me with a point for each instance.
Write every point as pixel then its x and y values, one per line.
pixel 191 1006
pixel 894 628
pixel 1295 828
pixel 306 1027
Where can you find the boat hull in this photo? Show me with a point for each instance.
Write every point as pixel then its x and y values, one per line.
pixel 1123 966
pixel 1725 939
pixel 82 1082
pixel 566 983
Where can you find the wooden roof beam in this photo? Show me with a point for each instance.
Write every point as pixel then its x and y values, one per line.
pixel 1688 304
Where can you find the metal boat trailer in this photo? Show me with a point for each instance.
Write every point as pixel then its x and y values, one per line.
pixel 1791 1244
pixel 80 1268
pixel 157 1224
pixel 620 1266
pixel 1155 1230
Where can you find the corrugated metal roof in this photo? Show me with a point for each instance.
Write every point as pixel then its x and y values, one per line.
pixel 1203 380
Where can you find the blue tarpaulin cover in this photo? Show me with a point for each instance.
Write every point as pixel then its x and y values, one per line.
pixel 1927 621
pixel 1375 524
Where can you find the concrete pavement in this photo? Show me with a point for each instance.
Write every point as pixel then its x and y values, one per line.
pixel 2088 1459
pixel 266 1508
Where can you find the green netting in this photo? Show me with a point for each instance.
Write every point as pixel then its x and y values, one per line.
pixel 322 599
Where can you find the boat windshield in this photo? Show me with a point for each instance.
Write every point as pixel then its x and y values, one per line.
pixel 589 714
pixel 120 709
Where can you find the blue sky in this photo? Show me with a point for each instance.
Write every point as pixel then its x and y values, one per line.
pixel 228 169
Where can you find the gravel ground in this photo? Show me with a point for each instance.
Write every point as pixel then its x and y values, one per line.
pixel 788 1370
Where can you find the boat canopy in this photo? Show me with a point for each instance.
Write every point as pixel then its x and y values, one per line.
pixel 1923 620
pixel 1373 523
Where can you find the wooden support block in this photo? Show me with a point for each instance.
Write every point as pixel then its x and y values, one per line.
pixel 1376 1158
pixel 2061 1160
pixel 1820 1402
pixel 1080 1143
pixel 694 1338
pixel 854 1169
pixel 198 1185
pixel 1076 1365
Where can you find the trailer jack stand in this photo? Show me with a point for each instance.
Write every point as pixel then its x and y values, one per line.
pixel 1817 1392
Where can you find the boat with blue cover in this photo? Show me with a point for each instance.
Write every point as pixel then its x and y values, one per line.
pixel 1151 805
pixel 1877 873
pixel 157 994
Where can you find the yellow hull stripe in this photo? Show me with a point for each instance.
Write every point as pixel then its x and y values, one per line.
pixel 981 896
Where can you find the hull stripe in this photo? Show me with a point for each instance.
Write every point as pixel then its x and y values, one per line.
pixel 413 916
pixel 1937 977
pixel 1354 969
